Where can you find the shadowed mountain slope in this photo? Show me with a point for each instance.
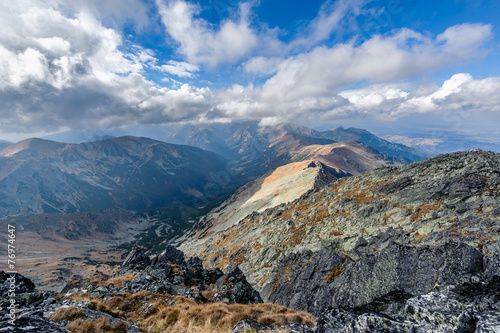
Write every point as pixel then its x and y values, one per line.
pixel 41 176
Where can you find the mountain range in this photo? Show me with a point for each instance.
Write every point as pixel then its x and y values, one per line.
pixel 234 139
pixel 4 144
pixel 62 192
pixel 43 176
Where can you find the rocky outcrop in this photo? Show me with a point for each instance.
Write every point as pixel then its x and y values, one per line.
pixel 166 276
pixel 21 289
pixel 31 321
pixel 339 321
pixel 136 260
pixel 235 286
pixel 316 281
pixel 171 273
pixel 435 312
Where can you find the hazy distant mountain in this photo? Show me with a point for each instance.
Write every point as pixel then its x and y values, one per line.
pixel 38 176
pixel 248 138
pixel 446 142
pixel 4 144
pixel 355 134
pixel 245 141
pixel 42 176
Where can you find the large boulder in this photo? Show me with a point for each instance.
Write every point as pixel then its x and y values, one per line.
pixel 325 279
pixel 22 288
pixel 137 259
pixel 235 287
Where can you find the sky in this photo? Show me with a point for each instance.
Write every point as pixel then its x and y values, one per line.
pixel 406 69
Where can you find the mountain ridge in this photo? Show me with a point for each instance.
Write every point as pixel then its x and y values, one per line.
pixel 234 139
pixel 316 166
pixel 64 175
pixel 449 196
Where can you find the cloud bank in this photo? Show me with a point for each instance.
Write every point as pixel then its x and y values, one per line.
pixel 68 65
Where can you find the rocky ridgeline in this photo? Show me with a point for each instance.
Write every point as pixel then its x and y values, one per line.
pixel 450 197
pixel 173 274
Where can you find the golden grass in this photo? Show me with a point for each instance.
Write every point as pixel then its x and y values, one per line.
pixel 220 317
pixel 100 325
pixel 97 279
pixel 67 314
pixel 117 281
pixel 179 314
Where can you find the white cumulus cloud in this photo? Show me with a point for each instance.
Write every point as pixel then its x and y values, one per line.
pixel 203 43
pixel 65 69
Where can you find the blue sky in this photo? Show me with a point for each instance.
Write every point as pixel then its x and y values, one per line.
pixel 396 67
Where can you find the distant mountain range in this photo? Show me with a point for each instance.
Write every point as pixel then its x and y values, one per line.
pixel 40 176
pixel 43 176
pixel 445 141
pixel 237 139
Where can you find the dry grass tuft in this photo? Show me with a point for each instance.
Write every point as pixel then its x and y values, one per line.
pixel 96 326
pixel 155 313
pixel 117 281
pixel 97 279
pixel 220 317
pixel 67 314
